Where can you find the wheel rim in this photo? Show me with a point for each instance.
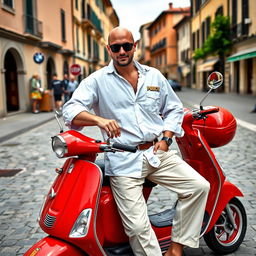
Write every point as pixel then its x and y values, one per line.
pixel 224 231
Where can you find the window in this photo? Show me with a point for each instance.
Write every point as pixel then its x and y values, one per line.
pixel 89 45
pixel 208 26
pixel 83 35
pixel 197 39
pixel 8 3
pixel 76 4
pixel 203 33
pixel 106 55
pixel 77 39
pixel 63 25
pixel 245 15
pixel 219 11
pixel 193 41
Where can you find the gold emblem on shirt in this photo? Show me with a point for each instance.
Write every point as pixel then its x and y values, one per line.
pixel 153 88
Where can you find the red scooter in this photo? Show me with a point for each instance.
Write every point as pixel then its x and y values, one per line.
pixel 80 214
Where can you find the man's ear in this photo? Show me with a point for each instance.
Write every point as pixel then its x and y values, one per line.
pixel 135 46
pixel 108 48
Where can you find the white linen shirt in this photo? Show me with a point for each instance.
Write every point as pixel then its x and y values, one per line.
pixel 112 97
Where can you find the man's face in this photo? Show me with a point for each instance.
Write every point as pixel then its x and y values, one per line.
pixel 121 48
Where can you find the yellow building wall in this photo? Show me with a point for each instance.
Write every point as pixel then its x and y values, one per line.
pixel 208 9
pixel 50 15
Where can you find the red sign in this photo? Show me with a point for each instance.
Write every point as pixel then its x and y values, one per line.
pixel 75 69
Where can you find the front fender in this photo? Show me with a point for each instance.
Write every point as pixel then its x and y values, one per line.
pixel 228 191
pixel 53 246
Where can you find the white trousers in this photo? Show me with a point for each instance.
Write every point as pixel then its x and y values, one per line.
pixel 176 175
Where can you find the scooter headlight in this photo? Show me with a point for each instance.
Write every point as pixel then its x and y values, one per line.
pixel 81 226
pixel 59 146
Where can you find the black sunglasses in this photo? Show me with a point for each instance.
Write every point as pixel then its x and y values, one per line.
pixel 116 47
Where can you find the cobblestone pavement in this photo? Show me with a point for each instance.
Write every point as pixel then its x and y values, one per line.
pixel 22 195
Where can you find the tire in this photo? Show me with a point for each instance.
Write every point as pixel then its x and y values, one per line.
pixel 223 238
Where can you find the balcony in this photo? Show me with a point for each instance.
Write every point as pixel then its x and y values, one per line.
pixel 160 45
pixel 240 30
pixel 91 20
pixel 33 27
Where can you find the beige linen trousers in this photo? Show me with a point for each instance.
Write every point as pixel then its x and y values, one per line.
pixel 176 175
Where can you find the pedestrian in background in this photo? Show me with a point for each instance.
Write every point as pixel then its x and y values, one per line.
pixel 58 91
pixel 72 85
pixel 254 110
pixel 65 82
pixel 35 93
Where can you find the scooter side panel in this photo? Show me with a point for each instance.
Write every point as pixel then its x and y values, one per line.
pixel 53 246
pixel 228 191
pixel 77 188
pixel 109 220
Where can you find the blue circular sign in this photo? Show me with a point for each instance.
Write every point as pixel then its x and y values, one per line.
pixel 38 57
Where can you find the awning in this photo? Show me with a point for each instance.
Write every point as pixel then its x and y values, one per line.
pixel 245 54
pixel 207 65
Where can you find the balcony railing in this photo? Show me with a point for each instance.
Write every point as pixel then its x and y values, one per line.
pixel 33 26
pixel 90 18
pixel 239 30
pixel 161 44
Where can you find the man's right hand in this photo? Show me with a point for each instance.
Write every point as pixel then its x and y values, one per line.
pixel 111 127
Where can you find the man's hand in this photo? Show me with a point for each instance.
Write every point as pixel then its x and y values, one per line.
pixel 111 127
pixel 161 145
pixel 85 118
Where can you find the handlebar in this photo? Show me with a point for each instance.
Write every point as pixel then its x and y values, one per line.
pixel 116 147
pixel 201 113
pixel 124 147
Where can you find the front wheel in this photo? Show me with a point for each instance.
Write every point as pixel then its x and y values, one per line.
pixel 224 238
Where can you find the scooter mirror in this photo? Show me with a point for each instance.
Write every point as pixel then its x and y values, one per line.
pixel 58 113
pixel 215 79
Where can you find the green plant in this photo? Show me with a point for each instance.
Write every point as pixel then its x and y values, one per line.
pixel 218 43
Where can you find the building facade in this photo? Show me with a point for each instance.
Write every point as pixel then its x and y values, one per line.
pixel 184 50
pixel 73 31
pixel 26 29
pixel 242 59
pixel 163 42
pixel 203 13
pixel 92 22
pixel 143 46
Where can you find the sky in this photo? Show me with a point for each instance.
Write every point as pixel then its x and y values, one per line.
pixel 134 13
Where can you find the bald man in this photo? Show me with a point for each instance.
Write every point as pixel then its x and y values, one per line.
pixel 127 99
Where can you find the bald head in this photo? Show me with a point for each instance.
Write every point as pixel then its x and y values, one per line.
pixel 119 33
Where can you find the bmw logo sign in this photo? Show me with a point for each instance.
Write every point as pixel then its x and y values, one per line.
pixel 38 57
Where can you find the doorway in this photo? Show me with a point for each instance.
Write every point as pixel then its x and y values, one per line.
pixel 50 70
pixel 11 82
pixel 236 76
pixel 249 75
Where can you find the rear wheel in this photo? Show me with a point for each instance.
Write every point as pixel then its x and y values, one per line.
pixel 225 238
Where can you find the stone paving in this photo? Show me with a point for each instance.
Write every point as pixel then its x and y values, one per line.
pixel 22 195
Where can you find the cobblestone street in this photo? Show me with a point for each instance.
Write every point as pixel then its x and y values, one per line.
pixel 22 195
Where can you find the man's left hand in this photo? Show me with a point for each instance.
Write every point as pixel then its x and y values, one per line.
pixel 160 145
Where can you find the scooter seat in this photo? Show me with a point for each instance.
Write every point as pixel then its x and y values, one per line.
pixel 106 181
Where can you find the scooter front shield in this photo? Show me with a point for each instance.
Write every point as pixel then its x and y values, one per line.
pixel 53 246
pixel 71 206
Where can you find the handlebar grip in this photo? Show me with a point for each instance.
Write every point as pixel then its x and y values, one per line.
pixel 209 111
pixel 124 147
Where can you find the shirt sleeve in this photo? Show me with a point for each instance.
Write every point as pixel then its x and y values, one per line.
pixel 171 109
pixel 83 99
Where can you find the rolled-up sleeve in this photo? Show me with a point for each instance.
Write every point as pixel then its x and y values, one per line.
pixel 172 110
pixel 82 99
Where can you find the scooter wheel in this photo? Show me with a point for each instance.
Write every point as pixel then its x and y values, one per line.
pixel 224 238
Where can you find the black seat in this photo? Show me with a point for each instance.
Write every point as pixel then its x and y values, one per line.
pixel 106 182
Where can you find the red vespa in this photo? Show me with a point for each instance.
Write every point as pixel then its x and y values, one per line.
pixel 80 214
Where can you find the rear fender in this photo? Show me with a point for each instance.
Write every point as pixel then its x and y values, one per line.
pixel 228 191
pixel 52 246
